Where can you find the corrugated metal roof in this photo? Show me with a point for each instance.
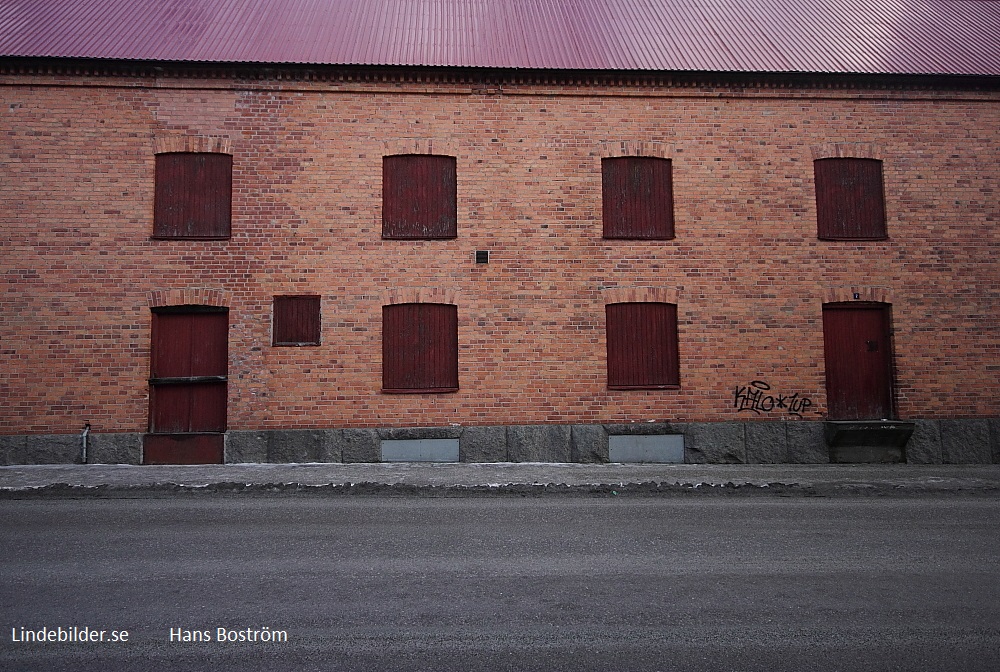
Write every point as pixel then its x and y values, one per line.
pixel 960 37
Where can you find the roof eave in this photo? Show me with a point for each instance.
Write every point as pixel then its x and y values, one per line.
pixel 25 65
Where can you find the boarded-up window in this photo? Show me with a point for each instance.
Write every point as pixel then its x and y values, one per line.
pixel 419 197
pixel 638 198
pixel 420 347
pixel 642 345
pixel 850 204
pixel 296 320
pixel 193 195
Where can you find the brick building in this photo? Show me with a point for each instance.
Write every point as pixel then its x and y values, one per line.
pixel 732 236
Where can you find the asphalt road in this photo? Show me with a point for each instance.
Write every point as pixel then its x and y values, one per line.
pixel 457 584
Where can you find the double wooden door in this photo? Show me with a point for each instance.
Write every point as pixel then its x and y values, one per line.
pixel 188 388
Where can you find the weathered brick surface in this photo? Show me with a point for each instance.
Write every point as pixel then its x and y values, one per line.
pixel 80 271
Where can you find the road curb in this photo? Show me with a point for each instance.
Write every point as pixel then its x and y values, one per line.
pixel 379 489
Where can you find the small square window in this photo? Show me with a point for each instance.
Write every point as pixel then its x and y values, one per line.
pixel 638 198
pixel 850 203
pixel 642 346
pixel 419 197
pixel 193 195
pixel 296 320
pixel 420 347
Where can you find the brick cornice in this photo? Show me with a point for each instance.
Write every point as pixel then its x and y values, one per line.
pixel 484 80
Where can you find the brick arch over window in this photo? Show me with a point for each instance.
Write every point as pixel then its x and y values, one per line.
pixel 642 346
pixel 419 196
pixel 411 364
pixel 637 197
pixel 197 296
pixel 642 341
pixel 419 188
pixel 439 146
pixel 192 143
pixel 847 150
pixel 850 194
pixel 619 148
pixel 640 295
pixel 858 293
pixel 419 295
pixel 419 347
pixel 193 189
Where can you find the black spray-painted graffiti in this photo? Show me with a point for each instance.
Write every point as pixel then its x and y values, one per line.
pixel 754 397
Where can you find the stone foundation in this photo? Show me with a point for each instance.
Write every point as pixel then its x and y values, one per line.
pixel 974 441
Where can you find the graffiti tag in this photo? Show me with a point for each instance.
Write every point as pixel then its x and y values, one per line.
pixel 758 398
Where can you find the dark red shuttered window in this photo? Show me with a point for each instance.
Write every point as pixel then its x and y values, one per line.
pixel 296 320
pixel 193 195
pixel 188 371
pixel 642 345
pixel 638 198
pixel 850 203
pixel 419 197
pixel 420 347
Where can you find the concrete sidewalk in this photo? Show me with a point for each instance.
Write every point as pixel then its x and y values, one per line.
pixel 458 478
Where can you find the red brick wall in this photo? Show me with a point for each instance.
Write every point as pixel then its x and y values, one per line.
pixel 80 271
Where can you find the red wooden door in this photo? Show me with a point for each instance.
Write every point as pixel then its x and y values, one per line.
pixel 858 361
pixel 188 387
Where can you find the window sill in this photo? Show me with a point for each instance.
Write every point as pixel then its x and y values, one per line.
pixel 422 390
pixel 639 237
pixel 644 387
pixel 187 380
pixel 190 237
pixel 852 239
pixel 449 237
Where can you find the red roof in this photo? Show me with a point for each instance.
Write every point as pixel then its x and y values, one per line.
pixel 960 37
